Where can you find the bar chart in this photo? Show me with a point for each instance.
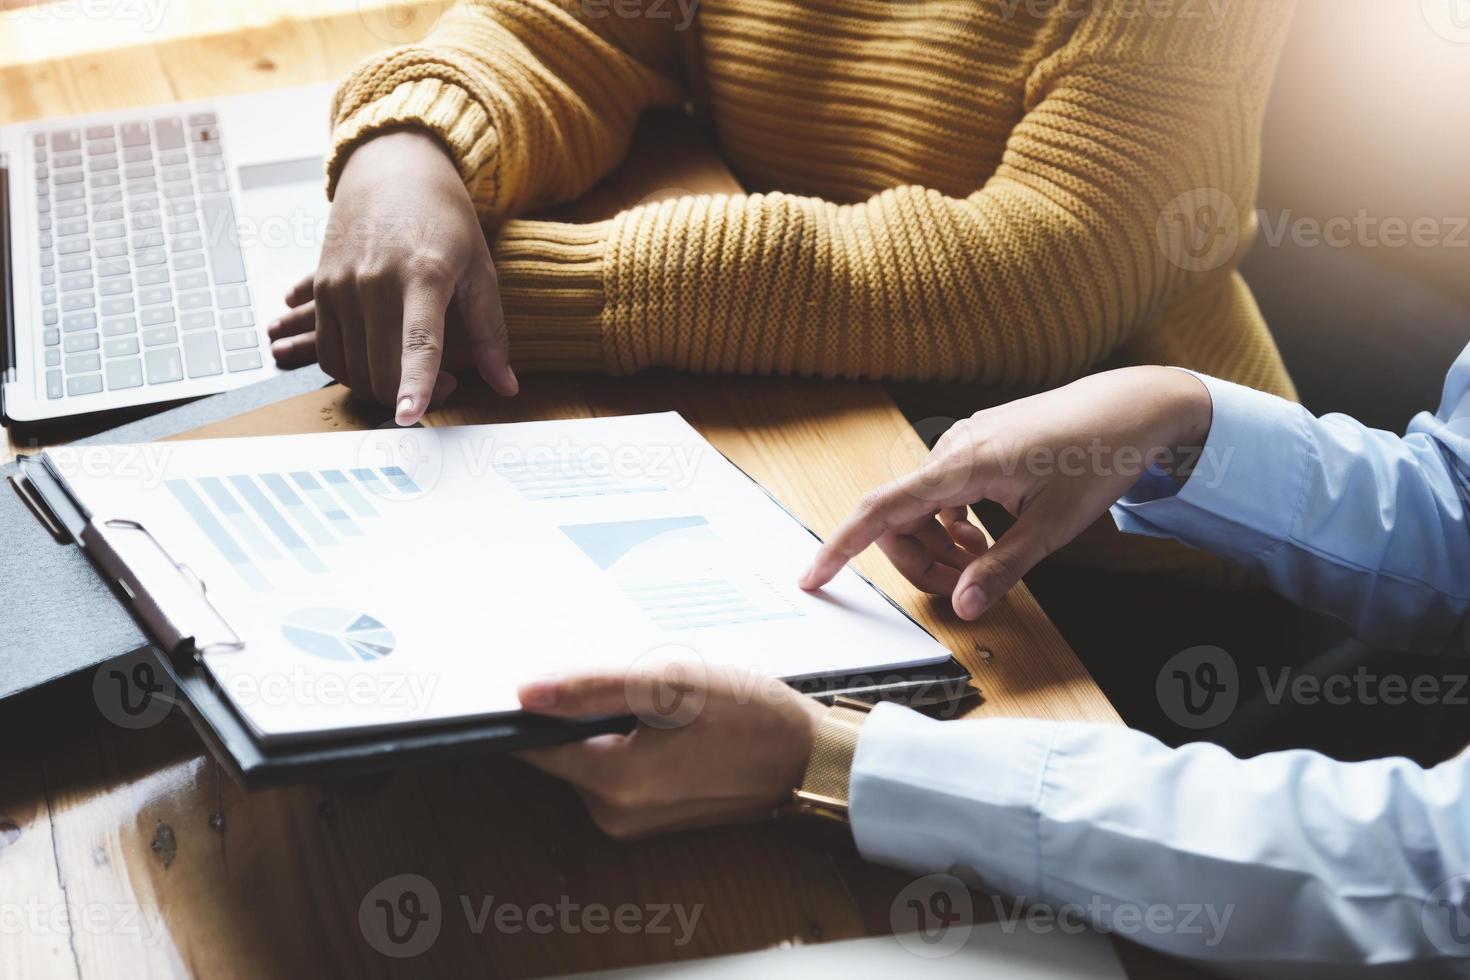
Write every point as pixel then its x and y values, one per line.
pixel 259 521
pixel 679 572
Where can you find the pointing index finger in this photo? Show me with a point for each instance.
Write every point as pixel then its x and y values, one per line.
pixel 879 512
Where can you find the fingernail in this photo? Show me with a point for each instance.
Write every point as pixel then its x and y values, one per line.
pixel 538 695
pixel 970 602
pixel 807 577
pixel 509 383
pixel 405 408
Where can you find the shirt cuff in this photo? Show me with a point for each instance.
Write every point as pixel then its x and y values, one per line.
pixel 1246 489
pixel 960 797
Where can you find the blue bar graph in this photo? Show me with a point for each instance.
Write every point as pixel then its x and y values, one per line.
pixel 216 533
pixel 238 519
pixel 328 506
pixel 297 508
pixel 349 493
pixel 277 524
pixel 400 480
pixel 371 480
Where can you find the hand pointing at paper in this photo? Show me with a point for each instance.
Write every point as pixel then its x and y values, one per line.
pixel 404 252
pixel 1056 461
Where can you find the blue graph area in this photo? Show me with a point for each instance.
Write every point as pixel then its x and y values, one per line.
pixel 606 542
pixel 337 634
pixel 259 519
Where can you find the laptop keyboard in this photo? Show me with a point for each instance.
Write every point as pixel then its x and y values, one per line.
pixel 142 279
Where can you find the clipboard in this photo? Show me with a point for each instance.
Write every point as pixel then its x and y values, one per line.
pixel 171 604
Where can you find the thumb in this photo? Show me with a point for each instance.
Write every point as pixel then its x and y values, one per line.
pixel 989 577
pixel 576 695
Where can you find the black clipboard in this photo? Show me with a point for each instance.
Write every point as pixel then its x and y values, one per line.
pixel 173 608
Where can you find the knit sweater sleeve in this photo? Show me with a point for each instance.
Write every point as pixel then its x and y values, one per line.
pixel 1129 179
pixel 535 99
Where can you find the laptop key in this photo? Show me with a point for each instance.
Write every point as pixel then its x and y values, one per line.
pixel 115 305
pixel 155 315
pixel 53 384
pixel 64 177
pixel 51 337
pixel 103 163
pixel 213 184
pixel 119 327
pixel 134 134
pixel 149 257
pixel 108 212
pixel 183 225
pixel 120 346
pixel 241 340
pixel 172 158
pixel 134 171
pixel 137 154
pixel 76 281
pixel 124 374
pixel 194 301
pixel 186 243
pixel 245 360
pixel 196 279
pixel 152 277
pixel 168 133
pixel 188 261
pixel 117 287
pixel 83 364
pixel 86 384
pixel 197 320
pixel 53 358
pixel 202 119
pixel 164 366
pixel 112 267
pixel 72 302
pixel 50 317
pixel 201 355
pixel 147 239
pixel 48 277
pixel 75 244
pixel 146 220
pixel 111 250
pixel 74 226
pixel 231 297
pixel 209 165
pixel 75 263
pixel 73 193
pixel 65 160
pixel 210 149
pixel 230 319
pixel 71 211
pixel 153 295
pixel 101 131
pixel 103 180
pixel 172 175
pixel 79 343
pixel 158 336
pixel 74 322
pixel 114 229
pixel 225 261
pixel 66 139
pixel 48 258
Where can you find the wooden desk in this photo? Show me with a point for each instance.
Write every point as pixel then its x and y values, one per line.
pixel 167 868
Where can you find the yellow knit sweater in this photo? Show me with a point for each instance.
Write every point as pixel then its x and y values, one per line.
pixel 1009 192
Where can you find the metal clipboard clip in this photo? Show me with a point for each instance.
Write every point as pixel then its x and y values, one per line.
pixel 168 596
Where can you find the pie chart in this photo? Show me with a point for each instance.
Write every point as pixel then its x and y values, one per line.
pixel 337 634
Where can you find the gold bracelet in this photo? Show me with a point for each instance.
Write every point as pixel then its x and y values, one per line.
pixel 824 788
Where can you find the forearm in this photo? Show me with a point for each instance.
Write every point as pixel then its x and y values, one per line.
pixel 1359 523
pixel 533 102
pixel 1284 863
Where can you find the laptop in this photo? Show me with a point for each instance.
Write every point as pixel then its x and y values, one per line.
pixel 146 250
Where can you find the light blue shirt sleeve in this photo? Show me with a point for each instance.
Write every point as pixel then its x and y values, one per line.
pixel 1284 865
pixel 1371 527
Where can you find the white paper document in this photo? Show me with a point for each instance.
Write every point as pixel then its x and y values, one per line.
pixel 416 576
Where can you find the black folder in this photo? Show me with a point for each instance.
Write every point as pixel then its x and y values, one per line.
pixel 176 625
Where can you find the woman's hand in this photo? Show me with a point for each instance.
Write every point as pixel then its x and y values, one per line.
pixel 403 250
pixel 713 745
pixel 1055 461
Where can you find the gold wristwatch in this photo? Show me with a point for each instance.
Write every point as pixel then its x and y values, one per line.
pixel 824 788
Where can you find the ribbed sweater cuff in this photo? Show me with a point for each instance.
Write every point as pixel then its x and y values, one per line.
pixel 551 288
pixel 443 109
